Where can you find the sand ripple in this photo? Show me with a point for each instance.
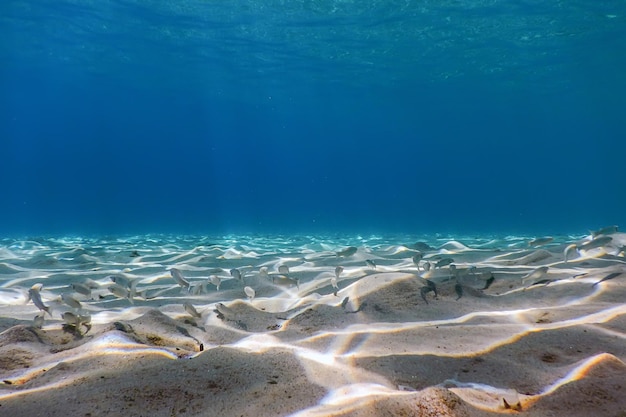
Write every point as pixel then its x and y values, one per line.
pixel 407 326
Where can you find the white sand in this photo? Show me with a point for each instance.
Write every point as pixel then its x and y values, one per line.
pixel 552 349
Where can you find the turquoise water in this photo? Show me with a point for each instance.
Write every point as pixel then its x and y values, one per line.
pixel 126 117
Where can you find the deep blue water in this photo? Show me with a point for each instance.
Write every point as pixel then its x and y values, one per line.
pixel 312 116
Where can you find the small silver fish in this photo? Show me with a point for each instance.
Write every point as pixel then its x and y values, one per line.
pixel 197 289
pixel 429 287
pixel 71 319
pixel 235 273
pixel 33 294
pixel 189 308
pixel 178 277
pixel 38 321
pixel 71 301
pixel 605 231
pixel 215 280
pixel 540 241
pixel 371 264
pixel 349 251
pixel 119 291
pixel 249 292
pixel 338 271
pixel 596 243
pixel 225 311
pixel 453 272
pixel 76 321
pixel 458 289
pixel 608 277
pixel 91 283
pixel 283 269
pixel 263 272
pixel 416 260
pixel 535 274
pixel 333 282
pixel 120 279
pixel 284 280
pixel 81 289
pixel 489 281
pixel 443 262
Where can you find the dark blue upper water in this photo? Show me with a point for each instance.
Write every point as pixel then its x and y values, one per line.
pixel 305 116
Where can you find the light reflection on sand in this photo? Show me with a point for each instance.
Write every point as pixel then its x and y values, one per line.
pixel 376 313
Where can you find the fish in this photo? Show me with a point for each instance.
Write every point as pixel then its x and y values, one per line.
pixel 427 266
pixel 535 274
pixel 333 280
pixel 421 246
pixel 91 283
pixel 443 262
pixel 120 292
pixel 76 321
pixel 544 282
pixel 285 280
pixel 458 289
pixel 263 272
pixel 189 308
pixel 416 259
pixel 123 281
pixel 225 312
pixel 33 294
pixel 371 264
pixel 215 280
pixel 540 241
pixel 71 301
pixel 349 251
pixel 120 279
pixel 235 273
pixel 605 231
pixel 38 321
pixel 568 250
pixel 178 277
pixel 489 281
pixel 198 289
pixel 249 292
pixel 429 287
pixel 71 319
pixel 608 277
pixel 338 271
pixel 283 269
pixel 596 243
pixel 529 258
pixel 81 289
pixel 423 292
pixel 453 272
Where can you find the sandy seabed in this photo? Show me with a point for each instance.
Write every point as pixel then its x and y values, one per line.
pixel 313 326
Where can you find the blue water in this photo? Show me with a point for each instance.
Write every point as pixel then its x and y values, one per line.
pixel 312 116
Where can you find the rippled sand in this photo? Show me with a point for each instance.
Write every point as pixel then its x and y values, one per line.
pixel 484 333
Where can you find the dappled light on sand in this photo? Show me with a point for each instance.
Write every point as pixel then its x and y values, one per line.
pixel 310 326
